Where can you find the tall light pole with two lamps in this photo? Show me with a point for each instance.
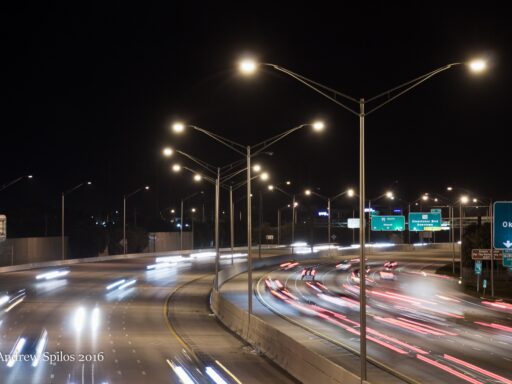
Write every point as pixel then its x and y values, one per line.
pixel 349 192
pixel 247 152
pixel 249 66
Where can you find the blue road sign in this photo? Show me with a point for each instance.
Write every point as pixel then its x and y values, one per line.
pixel 484 283
pixel 502 225
pixel 478 267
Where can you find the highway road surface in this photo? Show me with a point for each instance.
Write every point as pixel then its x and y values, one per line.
pixel 107 323
pixel 419 324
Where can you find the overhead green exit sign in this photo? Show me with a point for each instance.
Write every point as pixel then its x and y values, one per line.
pixel 388 223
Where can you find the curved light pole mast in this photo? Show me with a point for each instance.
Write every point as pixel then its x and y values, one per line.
pixel 125 197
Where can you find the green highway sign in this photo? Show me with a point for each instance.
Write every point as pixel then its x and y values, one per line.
pixel 388 223
pixel 478 267
pixel 436 210
pixel 424 221
pixel 502 238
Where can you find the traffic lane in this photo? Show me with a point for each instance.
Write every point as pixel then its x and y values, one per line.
pixel 191 318
pixel 79 290
pixel 465 344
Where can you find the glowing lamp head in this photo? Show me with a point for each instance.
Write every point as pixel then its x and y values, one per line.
pixel 318 126
pixel 270 187
pixel 264 176
pixel 197 177
pixel 389 194
pixel 193 210
pixel 464 199
pixel 351 193
pixel 178 127
pixel 288 182
pixel 146 187
pixel 167 152
pixel 475 200
pixel 256 167
pixel 307 192
pixel 176 168
pixel 30 176
pixel 477 65
pixel 424 197
pixel 247 66
pixel 89 182
pixel 449 188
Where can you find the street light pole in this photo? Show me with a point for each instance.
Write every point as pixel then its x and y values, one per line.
pixel 217 254
pixel 279 226
pixel 293 219
pixel 328 220
pixel 460 235
pixel 362 269
pixel 249 67
pixel 181 226
pixel 231 222
pixel 249 234
pixel 124 225
pixel 62 241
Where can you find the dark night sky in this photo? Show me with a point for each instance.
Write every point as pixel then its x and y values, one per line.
pixel 90 92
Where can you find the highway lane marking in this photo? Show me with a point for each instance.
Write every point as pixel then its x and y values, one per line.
pixel 228 372
pixel 171 327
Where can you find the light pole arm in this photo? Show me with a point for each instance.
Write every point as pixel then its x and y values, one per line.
pixel 73 189
pixel 408 87
pixel 207 178
pixel 203 164
pixel 7 185
pixel 238 148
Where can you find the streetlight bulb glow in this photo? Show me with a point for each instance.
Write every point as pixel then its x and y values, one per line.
pixel 478 65
pixel 89 182
pixel 307 192
pixel 30 176
pixel 193 210
pixel 146 187
pixel 464 199
pixel 288 182
pixel 247 66
pixel 197 177
pixel 389 194
pixel 176 168
pixel 264 176
pixel 172 210
pixel 351 193
pixel 178 127
pixel 475 200
pixel 424 197
pixel 318 126
pixel 167 152
pixel 256 167
pixel 296 204
pixel 270 187
pixel 449 188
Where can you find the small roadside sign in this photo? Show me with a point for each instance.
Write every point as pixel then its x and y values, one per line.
pixel 436 210
pixel 478 267
pixel 484 284
pixel 485 254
